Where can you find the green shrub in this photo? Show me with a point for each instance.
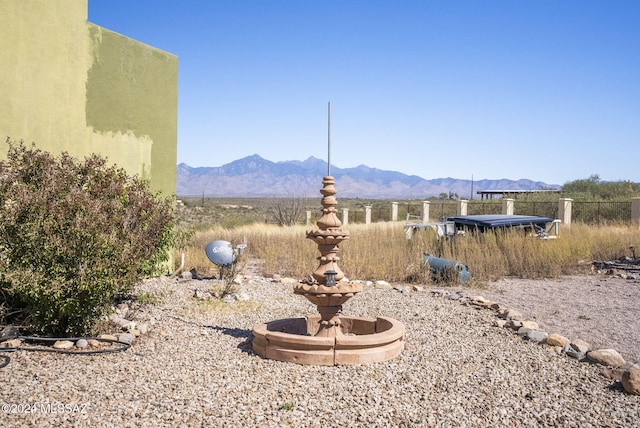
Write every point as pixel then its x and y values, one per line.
pixel 74 235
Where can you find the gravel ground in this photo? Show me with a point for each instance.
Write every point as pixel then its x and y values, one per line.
pixel 195 367
pixel 601 309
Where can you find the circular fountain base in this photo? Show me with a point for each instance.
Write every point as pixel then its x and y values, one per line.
pixel 357 341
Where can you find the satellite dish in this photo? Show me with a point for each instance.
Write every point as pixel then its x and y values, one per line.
pixel 220 253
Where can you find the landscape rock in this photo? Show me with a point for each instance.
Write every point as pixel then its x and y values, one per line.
pixel 537 336
pixel 606 357
pixel 613 373
pixel 530 325
pixel 523 331
pixel 513 324
pixel 122 309
pixel 63 344
pixel 82 343
pixel 631 380
pixel 555 349
pixel 580 345
pixel 107 337
pixel 481 302
pixel 510 314
pixel 383 285
pixel 118 320
pixel 573 352
pixel 10 331
pixel 11 343
pixel 130 326
pixel 555 339
pixel 126 338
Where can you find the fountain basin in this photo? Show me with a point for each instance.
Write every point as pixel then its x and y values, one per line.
pixel 357 341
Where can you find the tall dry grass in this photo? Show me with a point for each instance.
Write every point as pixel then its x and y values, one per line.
pixel 381 251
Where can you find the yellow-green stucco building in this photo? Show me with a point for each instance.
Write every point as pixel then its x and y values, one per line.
pixel 69 85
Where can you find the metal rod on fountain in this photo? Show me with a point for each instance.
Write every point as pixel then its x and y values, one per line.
pixel 329 139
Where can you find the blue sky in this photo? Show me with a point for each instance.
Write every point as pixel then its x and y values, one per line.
pixel 547 90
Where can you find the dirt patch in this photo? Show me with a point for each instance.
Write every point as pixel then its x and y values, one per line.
pixel 601 309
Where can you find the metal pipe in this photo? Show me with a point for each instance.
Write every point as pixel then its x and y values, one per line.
pixel 329 139
pixel 180 269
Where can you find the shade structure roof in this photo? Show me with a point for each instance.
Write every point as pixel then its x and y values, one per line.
pixel 499 220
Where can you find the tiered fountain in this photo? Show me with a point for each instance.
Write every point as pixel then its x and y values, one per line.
pixel 329 338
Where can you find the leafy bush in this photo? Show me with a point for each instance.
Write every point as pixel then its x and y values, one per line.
pixel 593 188
pixel 74 235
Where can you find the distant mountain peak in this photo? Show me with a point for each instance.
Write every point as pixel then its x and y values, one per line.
pixel 254 176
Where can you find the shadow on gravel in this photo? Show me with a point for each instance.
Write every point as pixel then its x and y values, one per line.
pixel 616 386
pixel 238 333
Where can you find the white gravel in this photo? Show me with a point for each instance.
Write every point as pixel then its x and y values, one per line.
pixel 195 367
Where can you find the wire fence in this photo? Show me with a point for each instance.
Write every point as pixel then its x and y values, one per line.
pixel 601 212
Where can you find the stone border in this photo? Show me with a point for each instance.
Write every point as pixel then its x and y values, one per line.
pixel 129 331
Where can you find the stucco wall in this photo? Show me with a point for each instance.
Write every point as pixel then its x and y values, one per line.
pixel 70 85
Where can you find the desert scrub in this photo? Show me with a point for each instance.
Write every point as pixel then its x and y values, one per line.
pixel 73 236
pixel 381 251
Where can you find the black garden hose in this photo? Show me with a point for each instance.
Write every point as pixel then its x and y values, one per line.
pixel 4 359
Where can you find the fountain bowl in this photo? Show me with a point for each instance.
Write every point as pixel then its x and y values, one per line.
pixel 358 341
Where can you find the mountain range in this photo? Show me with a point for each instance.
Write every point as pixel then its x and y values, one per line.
pixel 254 176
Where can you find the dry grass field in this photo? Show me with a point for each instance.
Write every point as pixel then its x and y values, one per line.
pixel 380 250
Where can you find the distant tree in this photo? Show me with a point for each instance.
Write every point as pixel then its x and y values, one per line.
pixel 449 196
pixel 593 187
pixel 286 210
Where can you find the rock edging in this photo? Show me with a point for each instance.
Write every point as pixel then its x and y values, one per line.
pixel 128 332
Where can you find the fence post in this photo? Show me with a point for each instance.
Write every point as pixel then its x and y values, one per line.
pixel 308 218
pixel 367 214
pixel 425 212
pixel 345 216
pixel 394 211
pixel 635 211
pixel 564 210
pixel 507 206
pixel 462 207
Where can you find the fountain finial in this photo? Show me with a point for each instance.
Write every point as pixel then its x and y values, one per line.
pixel 328 236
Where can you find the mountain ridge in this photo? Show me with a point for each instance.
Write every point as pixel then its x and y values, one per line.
pixel 254 176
